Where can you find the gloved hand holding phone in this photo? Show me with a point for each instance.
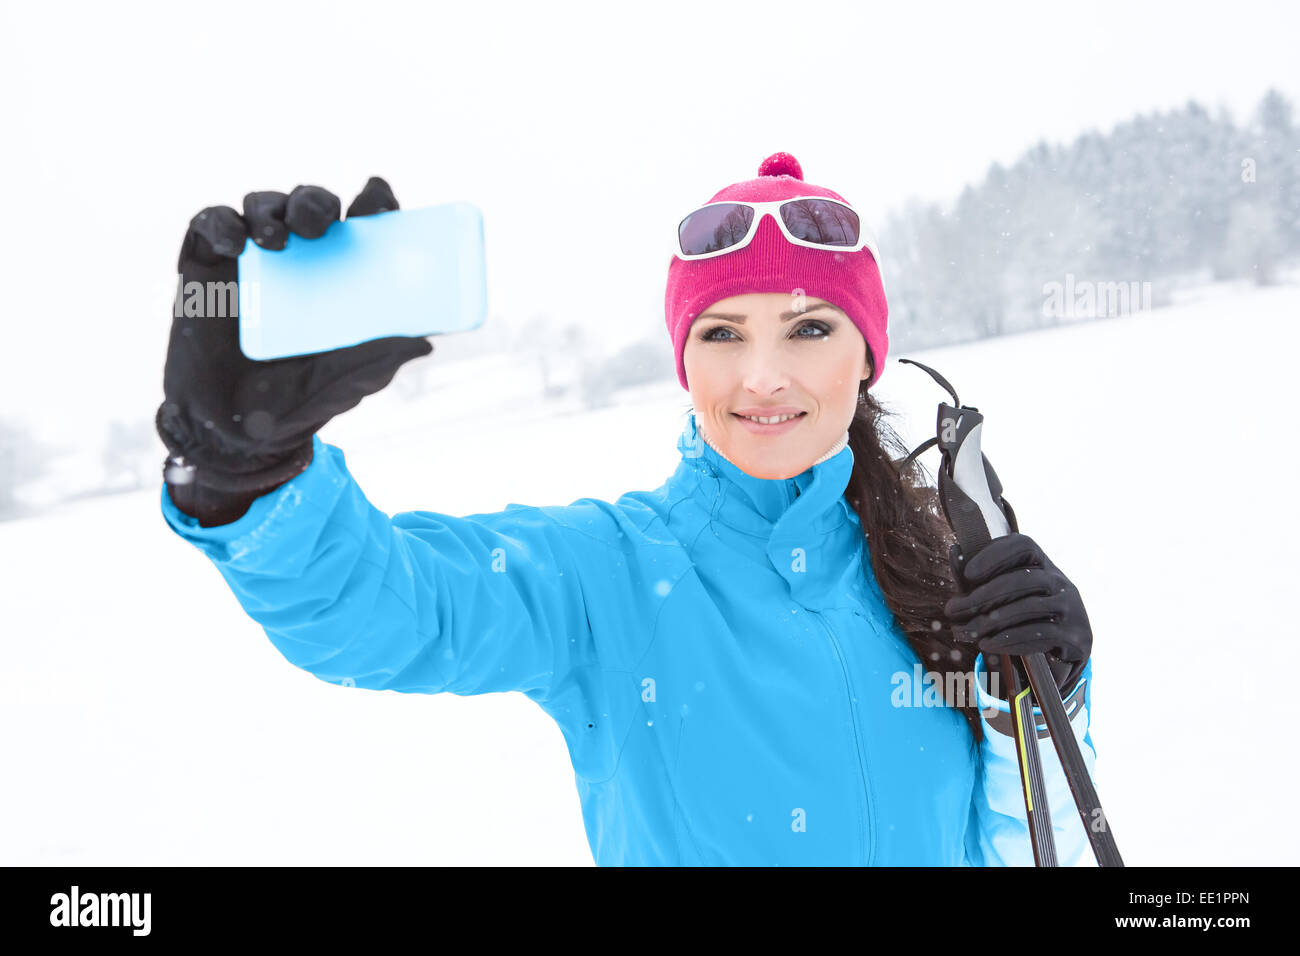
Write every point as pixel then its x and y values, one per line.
pixel 237 428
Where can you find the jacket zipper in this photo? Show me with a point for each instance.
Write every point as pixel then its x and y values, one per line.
pixel 868 838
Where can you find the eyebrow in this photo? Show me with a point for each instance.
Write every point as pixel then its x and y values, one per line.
pixel 785 316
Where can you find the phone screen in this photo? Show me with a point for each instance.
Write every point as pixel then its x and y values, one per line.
pixel 410 272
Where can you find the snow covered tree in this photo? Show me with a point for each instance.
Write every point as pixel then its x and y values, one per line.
pixel 22 459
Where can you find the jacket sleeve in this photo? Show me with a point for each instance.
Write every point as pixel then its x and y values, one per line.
pixel 998 831
pixel 418 603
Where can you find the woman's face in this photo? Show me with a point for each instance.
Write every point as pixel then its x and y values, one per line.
pixel 769 354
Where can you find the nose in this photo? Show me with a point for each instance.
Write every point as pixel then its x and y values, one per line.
pixel 764 372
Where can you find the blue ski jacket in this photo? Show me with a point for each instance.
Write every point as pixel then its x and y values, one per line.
pixel 730 683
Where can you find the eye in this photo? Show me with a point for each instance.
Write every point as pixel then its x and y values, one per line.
pixel 821 328
pixel 709 335
pixel 720 333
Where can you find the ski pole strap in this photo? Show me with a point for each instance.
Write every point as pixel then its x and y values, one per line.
pixel 1003 723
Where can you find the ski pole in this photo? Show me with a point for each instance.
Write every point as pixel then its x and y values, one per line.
pixel 975 508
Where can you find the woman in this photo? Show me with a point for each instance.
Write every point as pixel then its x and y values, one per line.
pixel 734 658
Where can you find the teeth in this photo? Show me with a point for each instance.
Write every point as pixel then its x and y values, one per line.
pixel 772 420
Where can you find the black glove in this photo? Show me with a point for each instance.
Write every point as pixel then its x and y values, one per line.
pixel 1014 600
pixel 236 427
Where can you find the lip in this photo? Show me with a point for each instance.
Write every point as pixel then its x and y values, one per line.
pixel 756 428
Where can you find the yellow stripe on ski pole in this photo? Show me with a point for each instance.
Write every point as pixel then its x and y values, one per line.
pixel 1024 750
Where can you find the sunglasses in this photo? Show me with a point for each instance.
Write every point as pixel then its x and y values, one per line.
pixel 812 221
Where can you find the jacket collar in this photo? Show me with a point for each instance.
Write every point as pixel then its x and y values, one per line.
pixel 783 508
pixel 803 527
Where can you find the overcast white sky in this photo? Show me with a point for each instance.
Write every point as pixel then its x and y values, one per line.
pixel 122 120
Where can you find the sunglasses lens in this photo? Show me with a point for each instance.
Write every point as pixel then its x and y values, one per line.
pixel 714 227
pixel 820 221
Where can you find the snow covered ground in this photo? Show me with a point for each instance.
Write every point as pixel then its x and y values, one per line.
pixel 146 720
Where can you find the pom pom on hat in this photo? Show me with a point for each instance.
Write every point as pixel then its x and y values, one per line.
pixel 781 164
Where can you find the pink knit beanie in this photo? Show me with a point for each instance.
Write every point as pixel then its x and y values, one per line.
pixel 850 280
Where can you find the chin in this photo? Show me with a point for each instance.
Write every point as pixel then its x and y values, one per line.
pixel 771 473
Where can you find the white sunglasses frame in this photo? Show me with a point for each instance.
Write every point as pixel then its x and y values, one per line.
pixel 866 238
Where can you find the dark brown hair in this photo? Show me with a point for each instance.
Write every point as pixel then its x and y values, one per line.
pixel 908 540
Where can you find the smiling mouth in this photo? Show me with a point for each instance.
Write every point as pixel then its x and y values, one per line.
pixel 769 419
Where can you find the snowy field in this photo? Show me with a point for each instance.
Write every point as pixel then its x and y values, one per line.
pixel 148 721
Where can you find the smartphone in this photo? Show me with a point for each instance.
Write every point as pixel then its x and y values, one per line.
pixel 405 272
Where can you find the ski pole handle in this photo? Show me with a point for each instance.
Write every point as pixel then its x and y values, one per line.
pixel 971 495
